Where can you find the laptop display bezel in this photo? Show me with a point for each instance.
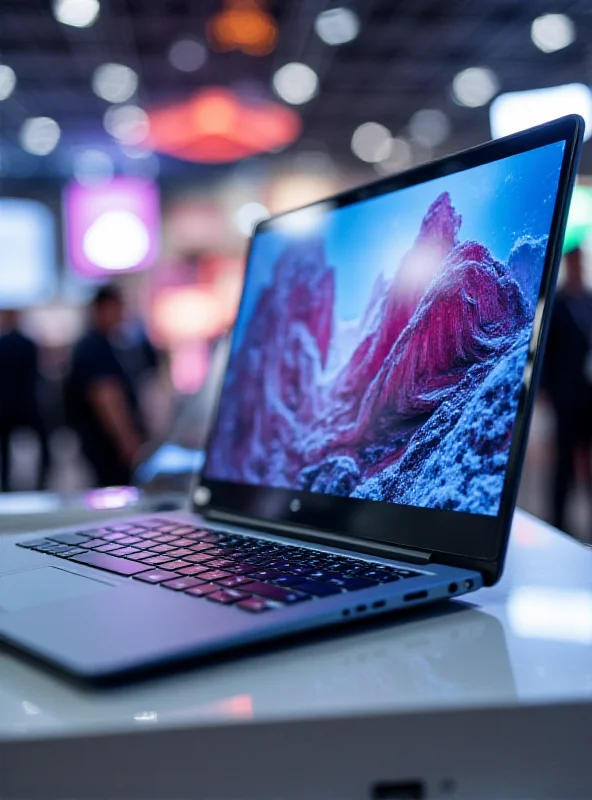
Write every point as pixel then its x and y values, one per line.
pixel 451 536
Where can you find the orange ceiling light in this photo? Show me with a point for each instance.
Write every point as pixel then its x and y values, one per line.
pixel 217 126
pixel 243 25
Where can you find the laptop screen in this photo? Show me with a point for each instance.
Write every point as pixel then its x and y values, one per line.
pixel 380 347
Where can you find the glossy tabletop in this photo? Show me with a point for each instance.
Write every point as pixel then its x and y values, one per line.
pixel 527 640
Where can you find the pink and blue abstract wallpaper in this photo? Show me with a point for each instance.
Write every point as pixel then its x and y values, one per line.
pixel 379 351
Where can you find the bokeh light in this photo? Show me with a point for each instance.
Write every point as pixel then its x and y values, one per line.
pixel 296 83
pixel 337 25
pixel 429 127
pixel 76 13
pixel 187 55
pixel 128 124
pixel 7 81
pixel 371 142
pixel 552 32
pixel 474 87
pixel 115 83
pixel 40 135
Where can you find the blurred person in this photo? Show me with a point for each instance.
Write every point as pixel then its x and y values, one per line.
pixel 19 396
pixel 100 395
pixel 567 378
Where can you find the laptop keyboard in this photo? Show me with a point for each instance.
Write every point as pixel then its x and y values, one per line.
pixel 252 574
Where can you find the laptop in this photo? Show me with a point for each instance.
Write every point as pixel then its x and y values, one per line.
pixel 370 430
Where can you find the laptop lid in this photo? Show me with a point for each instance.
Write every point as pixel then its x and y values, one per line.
pixel 385 355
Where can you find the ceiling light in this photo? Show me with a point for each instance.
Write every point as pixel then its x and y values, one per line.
pixel 296 83
pixel 7 81
pixel 187 55
pixel 248 215
pixel 429 127
pixel 371 142
pixel 337 25
pixel 115 83
pixel 400 157
pixel 474 87
pixel 39 135
pixel 127 124
pixel 117 240
pixel 77 13
pixel 92 166
pixel 243 25
pixel 515 111
pixel 552 32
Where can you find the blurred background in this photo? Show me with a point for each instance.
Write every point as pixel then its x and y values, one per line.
pixel 141 141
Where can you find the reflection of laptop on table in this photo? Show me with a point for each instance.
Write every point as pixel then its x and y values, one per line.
pixel 367 447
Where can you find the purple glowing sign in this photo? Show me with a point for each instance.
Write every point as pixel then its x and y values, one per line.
pixel 112 228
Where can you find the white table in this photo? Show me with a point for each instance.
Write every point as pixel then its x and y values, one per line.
pixel 484 698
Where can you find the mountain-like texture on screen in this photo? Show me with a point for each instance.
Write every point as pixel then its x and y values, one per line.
pixel 415 403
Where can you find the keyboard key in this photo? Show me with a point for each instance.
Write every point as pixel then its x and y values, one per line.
pixel 352 584
pixel 70 538
pixel 239 569
pixel 203 590
pixel 123 527
pixel 167 528
pixel 136 530
pixel 177 564
pixel 235 580
pixel 322 575
pixel 181 584
pixel 275 593
pixel 69 551
pixel 163 548
pixel 267 574
pixel 32 545
pixel 146 544
pixel 113 537
pixel 181 542
pixel 92 544
pixel 317 588
pixel 166 538
pixel 156 576
pixel 129 540
pixel 200 548
pixel 285 579
pixel 154 560
pixel 227 596
pixel 107 548
pixel 110 563
pixel 215 575
pixel 255 605
pixel 125 551
pixel 180 552
pixel 184 529
pixel 198 558
pixel 50 547
pixel 194 569
pixel 220 563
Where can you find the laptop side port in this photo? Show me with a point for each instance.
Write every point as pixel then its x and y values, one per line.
pixel 409 598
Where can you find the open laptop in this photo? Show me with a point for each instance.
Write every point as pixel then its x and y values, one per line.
pixel 371 426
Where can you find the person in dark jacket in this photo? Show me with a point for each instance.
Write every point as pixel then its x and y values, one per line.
pixel 19 397
pixel 100 395
pixel 567 377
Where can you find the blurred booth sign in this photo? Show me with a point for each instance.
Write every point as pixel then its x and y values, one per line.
pixel 218 126
pixel 27 253
pixel 516 111
pixel 112 228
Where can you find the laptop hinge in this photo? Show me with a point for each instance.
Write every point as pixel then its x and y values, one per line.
pixel 312 535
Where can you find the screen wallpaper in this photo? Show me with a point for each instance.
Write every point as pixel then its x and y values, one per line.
pixel 380 348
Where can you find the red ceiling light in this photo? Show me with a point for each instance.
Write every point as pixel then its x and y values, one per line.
pixel 217 126
pixel 243 25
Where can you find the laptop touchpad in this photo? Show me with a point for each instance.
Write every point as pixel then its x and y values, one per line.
pixel 38 587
